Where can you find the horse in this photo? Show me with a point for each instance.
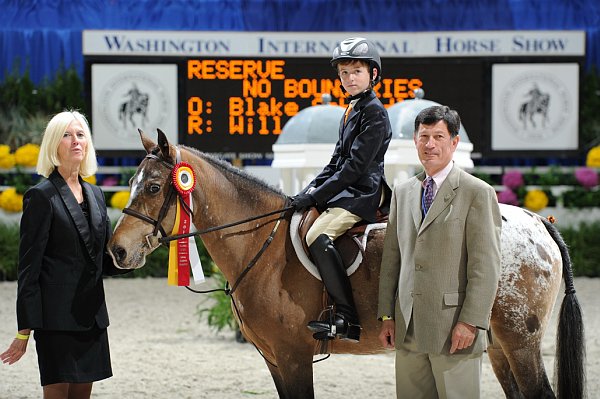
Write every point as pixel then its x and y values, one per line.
pixel 275 296
pixel 537 104
pixel 137 104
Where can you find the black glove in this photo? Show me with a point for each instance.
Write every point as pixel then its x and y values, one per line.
pixel 303 201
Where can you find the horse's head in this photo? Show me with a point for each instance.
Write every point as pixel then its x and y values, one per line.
pixel 150 209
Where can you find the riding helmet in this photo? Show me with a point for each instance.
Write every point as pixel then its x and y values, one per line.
pixel 358 48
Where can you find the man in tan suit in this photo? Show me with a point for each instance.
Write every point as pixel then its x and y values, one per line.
pixel 440 268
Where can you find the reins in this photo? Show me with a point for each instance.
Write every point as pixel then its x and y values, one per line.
pixel 167 239
pixel 256 257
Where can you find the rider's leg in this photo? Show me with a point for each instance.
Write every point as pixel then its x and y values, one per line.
pixel 330 225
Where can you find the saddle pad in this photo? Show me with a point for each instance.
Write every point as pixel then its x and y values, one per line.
pixel 308 264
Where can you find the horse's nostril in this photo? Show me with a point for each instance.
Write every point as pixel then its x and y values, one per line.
pixel 120 253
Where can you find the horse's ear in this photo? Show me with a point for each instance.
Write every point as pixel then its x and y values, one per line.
pixel 165 148
pixel 146 142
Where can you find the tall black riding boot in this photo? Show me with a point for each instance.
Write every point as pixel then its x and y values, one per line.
pixel 345 322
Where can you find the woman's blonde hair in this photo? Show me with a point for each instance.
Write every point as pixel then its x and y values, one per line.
pixel 56 128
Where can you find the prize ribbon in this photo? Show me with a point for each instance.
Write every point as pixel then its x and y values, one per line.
pixel 184 181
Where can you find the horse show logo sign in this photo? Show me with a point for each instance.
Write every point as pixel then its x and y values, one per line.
pixel 535 106
pixel 128 97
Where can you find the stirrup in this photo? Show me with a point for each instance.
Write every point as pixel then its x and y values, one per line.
pixel 333 328
pixel 321 329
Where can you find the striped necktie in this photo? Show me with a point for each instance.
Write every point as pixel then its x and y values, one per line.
pixel 427 194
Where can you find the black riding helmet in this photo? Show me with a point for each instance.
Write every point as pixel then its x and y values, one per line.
pixel 358 48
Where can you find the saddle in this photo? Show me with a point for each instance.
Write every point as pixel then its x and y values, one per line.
pixel 349 244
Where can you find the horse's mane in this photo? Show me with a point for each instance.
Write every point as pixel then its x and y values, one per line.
pixel 238 176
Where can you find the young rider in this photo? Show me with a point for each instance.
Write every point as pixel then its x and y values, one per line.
pixel 352 186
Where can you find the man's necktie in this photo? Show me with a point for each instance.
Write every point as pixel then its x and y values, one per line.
pixel 427 194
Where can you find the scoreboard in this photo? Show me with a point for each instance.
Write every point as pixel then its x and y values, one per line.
pixel 232 93
pixel 240 105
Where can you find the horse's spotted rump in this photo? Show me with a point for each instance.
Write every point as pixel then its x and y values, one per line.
pixel 531 268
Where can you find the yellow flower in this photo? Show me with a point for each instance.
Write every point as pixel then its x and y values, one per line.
pixel 7 161
pixel 119 199
pixel 27 155
pixel 11 201
pixel 536 200
pixel 593 157
pixel 90 179
pixel 4 150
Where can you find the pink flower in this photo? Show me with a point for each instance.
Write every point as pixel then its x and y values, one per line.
pixel 587 177
pixel 512 179
pixel 508 197
pixel 110 181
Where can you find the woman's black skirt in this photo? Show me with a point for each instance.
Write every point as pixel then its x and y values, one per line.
pixel 72 356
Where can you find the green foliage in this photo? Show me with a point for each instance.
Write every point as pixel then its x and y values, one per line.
pixel 25 108
pixel 18 91
pixel 584 248
pixel 551 197
pixel 554 176
pixel 64 91
pixel 9 255
pixel 589 115
pixel 486 177
pixel 22 181
pixel 126 175
pixel 18 128
pixel 579 197
pixel 220 314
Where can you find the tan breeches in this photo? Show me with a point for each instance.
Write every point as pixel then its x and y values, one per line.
pixel 333 222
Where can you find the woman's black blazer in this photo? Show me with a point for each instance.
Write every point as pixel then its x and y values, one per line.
pixel 62 258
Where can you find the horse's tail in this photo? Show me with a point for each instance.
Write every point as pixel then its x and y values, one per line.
pixel 569 370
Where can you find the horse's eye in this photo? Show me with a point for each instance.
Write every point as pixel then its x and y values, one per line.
pixel 154 188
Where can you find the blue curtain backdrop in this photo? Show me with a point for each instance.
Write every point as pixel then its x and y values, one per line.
pixel 43 34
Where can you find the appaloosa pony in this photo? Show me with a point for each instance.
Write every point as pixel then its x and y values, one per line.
pixel 276 296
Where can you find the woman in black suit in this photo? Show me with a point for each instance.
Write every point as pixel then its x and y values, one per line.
pixel 62 257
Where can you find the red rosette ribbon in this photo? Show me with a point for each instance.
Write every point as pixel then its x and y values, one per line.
pixel 184 181
pixel 184 178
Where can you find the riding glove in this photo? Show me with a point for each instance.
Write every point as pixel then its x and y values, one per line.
pixel 303 201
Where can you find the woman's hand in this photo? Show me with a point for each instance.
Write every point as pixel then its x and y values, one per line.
pixel 15 351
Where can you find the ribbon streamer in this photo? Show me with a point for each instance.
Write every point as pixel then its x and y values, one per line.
pixel 183 253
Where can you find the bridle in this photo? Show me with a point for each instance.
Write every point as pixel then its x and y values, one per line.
pixel 165 238
pixel 157 223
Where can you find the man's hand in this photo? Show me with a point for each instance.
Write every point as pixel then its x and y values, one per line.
pixel 463 336
pixel 387 334
pixel 303 201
